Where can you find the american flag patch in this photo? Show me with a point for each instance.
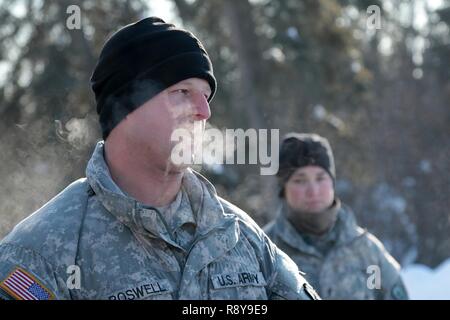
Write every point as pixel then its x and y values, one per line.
pixel 23 286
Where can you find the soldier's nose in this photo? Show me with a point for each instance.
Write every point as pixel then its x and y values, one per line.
pixel 201 108
pixel 312 189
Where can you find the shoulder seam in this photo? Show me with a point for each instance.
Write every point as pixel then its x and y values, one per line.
pixel 80 229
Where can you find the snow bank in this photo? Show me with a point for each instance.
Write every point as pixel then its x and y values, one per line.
pixel 424 283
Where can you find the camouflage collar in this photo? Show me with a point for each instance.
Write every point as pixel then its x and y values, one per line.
pixel 287 232
pixel 179 212
pixel 149 220
pixel 345 228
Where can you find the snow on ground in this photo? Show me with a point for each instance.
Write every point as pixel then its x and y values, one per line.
pixel 424 283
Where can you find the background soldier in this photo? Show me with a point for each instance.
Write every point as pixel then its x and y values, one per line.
pixel 341 260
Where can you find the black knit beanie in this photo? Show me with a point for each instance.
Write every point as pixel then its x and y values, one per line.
pixel 141 60
pixel 303 149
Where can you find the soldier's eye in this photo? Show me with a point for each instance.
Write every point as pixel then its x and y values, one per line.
pixel 183 91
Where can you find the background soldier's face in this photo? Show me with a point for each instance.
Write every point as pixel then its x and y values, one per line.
pixel 309 189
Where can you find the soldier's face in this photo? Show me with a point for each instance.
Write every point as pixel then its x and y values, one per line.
pixel 309 189
pixel 149 128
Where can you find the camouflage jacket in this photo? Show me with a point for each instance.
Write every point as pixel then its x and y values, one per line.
pixel 348 262
pixel 93 242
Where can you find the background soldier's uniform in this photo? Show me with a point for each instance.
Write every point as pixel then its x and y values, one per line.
pixel 336 264
pixel 198 247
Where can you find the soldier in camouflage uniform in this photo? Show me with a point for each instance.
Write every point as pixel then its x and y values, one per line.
pixel 340 259
pixel 139 226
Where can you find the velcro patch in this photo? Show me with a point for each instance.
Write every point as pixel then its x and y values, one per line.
pixel 398 292
pixel 24 286
pixel 237 279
